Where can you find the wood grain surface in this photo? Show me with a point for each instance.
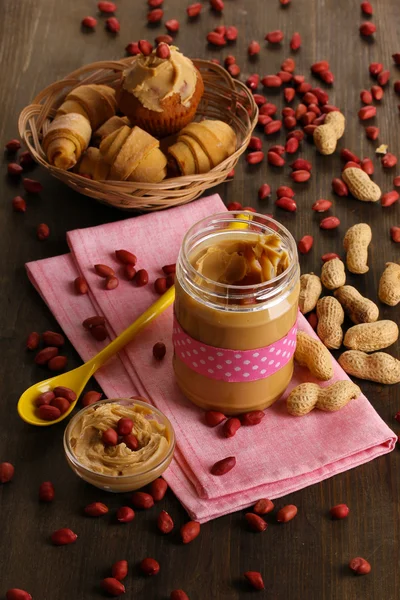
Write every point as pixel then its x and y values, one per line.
pixel 41 41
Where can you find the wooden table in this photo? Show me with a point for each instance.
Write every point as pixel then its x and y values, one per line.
pixel 41 41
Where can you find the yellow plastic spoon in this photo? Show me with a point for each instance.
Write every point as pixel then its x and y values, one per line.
pixel 77 379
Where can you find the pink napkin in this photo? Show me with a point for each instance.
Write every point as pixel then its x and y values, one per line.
pixel 280 455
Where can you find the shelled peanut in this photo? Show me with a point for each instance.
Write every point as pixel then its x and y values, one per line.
pixel 330 318
pixel 360 185
pixel 379 366
pixel 312 353
pixel 307 396
pixel 389 284
pixel 356 242
pixel 357 308
pixel 369 337
pixel 310 291
pixel 333 274
pixel 327 135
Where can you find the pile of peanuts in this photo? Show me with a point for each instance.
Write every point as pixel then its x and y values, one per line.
pixel 363 340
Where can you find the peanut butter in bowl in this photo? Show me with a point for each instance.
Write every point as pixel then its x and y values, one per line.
pixel 99 454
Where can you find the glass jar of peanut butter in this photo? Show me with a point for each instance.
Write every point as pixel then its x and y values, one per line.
pixel 235 312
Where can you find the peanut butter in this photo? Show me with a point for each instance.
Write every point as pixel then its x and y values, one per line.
pixel 118 467
pixel 152 79
pixel 209 307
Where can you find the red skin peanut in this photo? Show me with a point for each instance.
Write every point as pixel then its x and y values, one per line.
pixel 395 234
pixel 339 187
pixel 158 489
pixel 300 176
pixel 367 165
pixel 321 205
pixel 263 506
pixel 340 511
pixel 222 467
pixel 264 191
pixel 272 127
pixel 194 10
pixel 377 92
pixel 287 204
pixel 313 320
pixel 372 132
pixel 274 37
pixel 189 531
pixel 172 25
pixel 301 163
pixel 305 244
pixel 231 426
pixel 292 145
pixel 375 69
pixel 255 579
pixel 275 159
pixel 366 97
pixel 119 570
pixel 367 9
pixel 284 190
pixel 287 513
pixel 360 566
pixel 289 94
pixel 389 198
pixel 295 42
pixel 329 256
pixel 367 28
pixel 254 158
pixel 389 160
pixel 329 223
pixel 165 523
pixel 253 48
pixel 255 522
pixel 252 418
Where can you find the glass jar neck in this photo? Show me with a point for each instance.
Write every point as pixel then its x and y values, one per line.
pixel 233 226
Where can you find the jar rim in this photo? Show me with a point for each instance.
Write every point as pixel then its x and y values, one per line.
pixel 266 225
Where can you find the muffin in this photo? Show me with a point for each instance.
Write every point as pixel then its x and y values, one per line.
pixel 160 95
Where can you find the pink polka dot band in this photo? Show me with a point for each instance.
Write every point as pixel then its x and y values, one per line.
pixel 233 365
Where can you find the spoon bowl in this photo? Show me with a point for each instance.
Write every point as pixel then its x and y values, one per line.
pixel 77 378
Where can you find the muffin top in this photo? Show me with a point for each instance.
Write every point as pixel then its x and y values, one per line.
pixel 152 79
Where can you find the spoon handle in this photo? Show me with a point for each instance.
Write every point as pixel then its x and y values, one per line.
pixel 126 336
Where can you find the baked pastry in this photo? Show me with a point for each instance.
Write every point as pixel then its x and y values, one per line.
pixel 93 165
pixel 134 155
pixel 160 95
pixel 96 102
pixel 200 147
pixel 66 139
pixel 108 127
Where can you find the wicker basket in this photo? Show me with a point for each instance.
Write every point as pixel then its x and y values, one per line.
pixel 224 98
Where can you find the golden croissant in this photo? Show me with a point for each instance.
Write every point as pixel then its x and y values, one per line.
pixel 66 139
pixel 96 102
pixel 108 127
pixel 201 146
pixel 133 155
pixel 93 165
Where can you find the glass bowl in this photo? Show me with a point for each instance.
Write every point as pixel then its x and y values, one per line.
pixel 121 483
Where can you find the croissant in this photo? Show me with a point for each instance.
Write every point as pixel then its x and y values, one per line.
pixel 133 155
pixel 66 139
pixel 201 146
pixel 94 165
pixel 96 102
pixel 108 127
